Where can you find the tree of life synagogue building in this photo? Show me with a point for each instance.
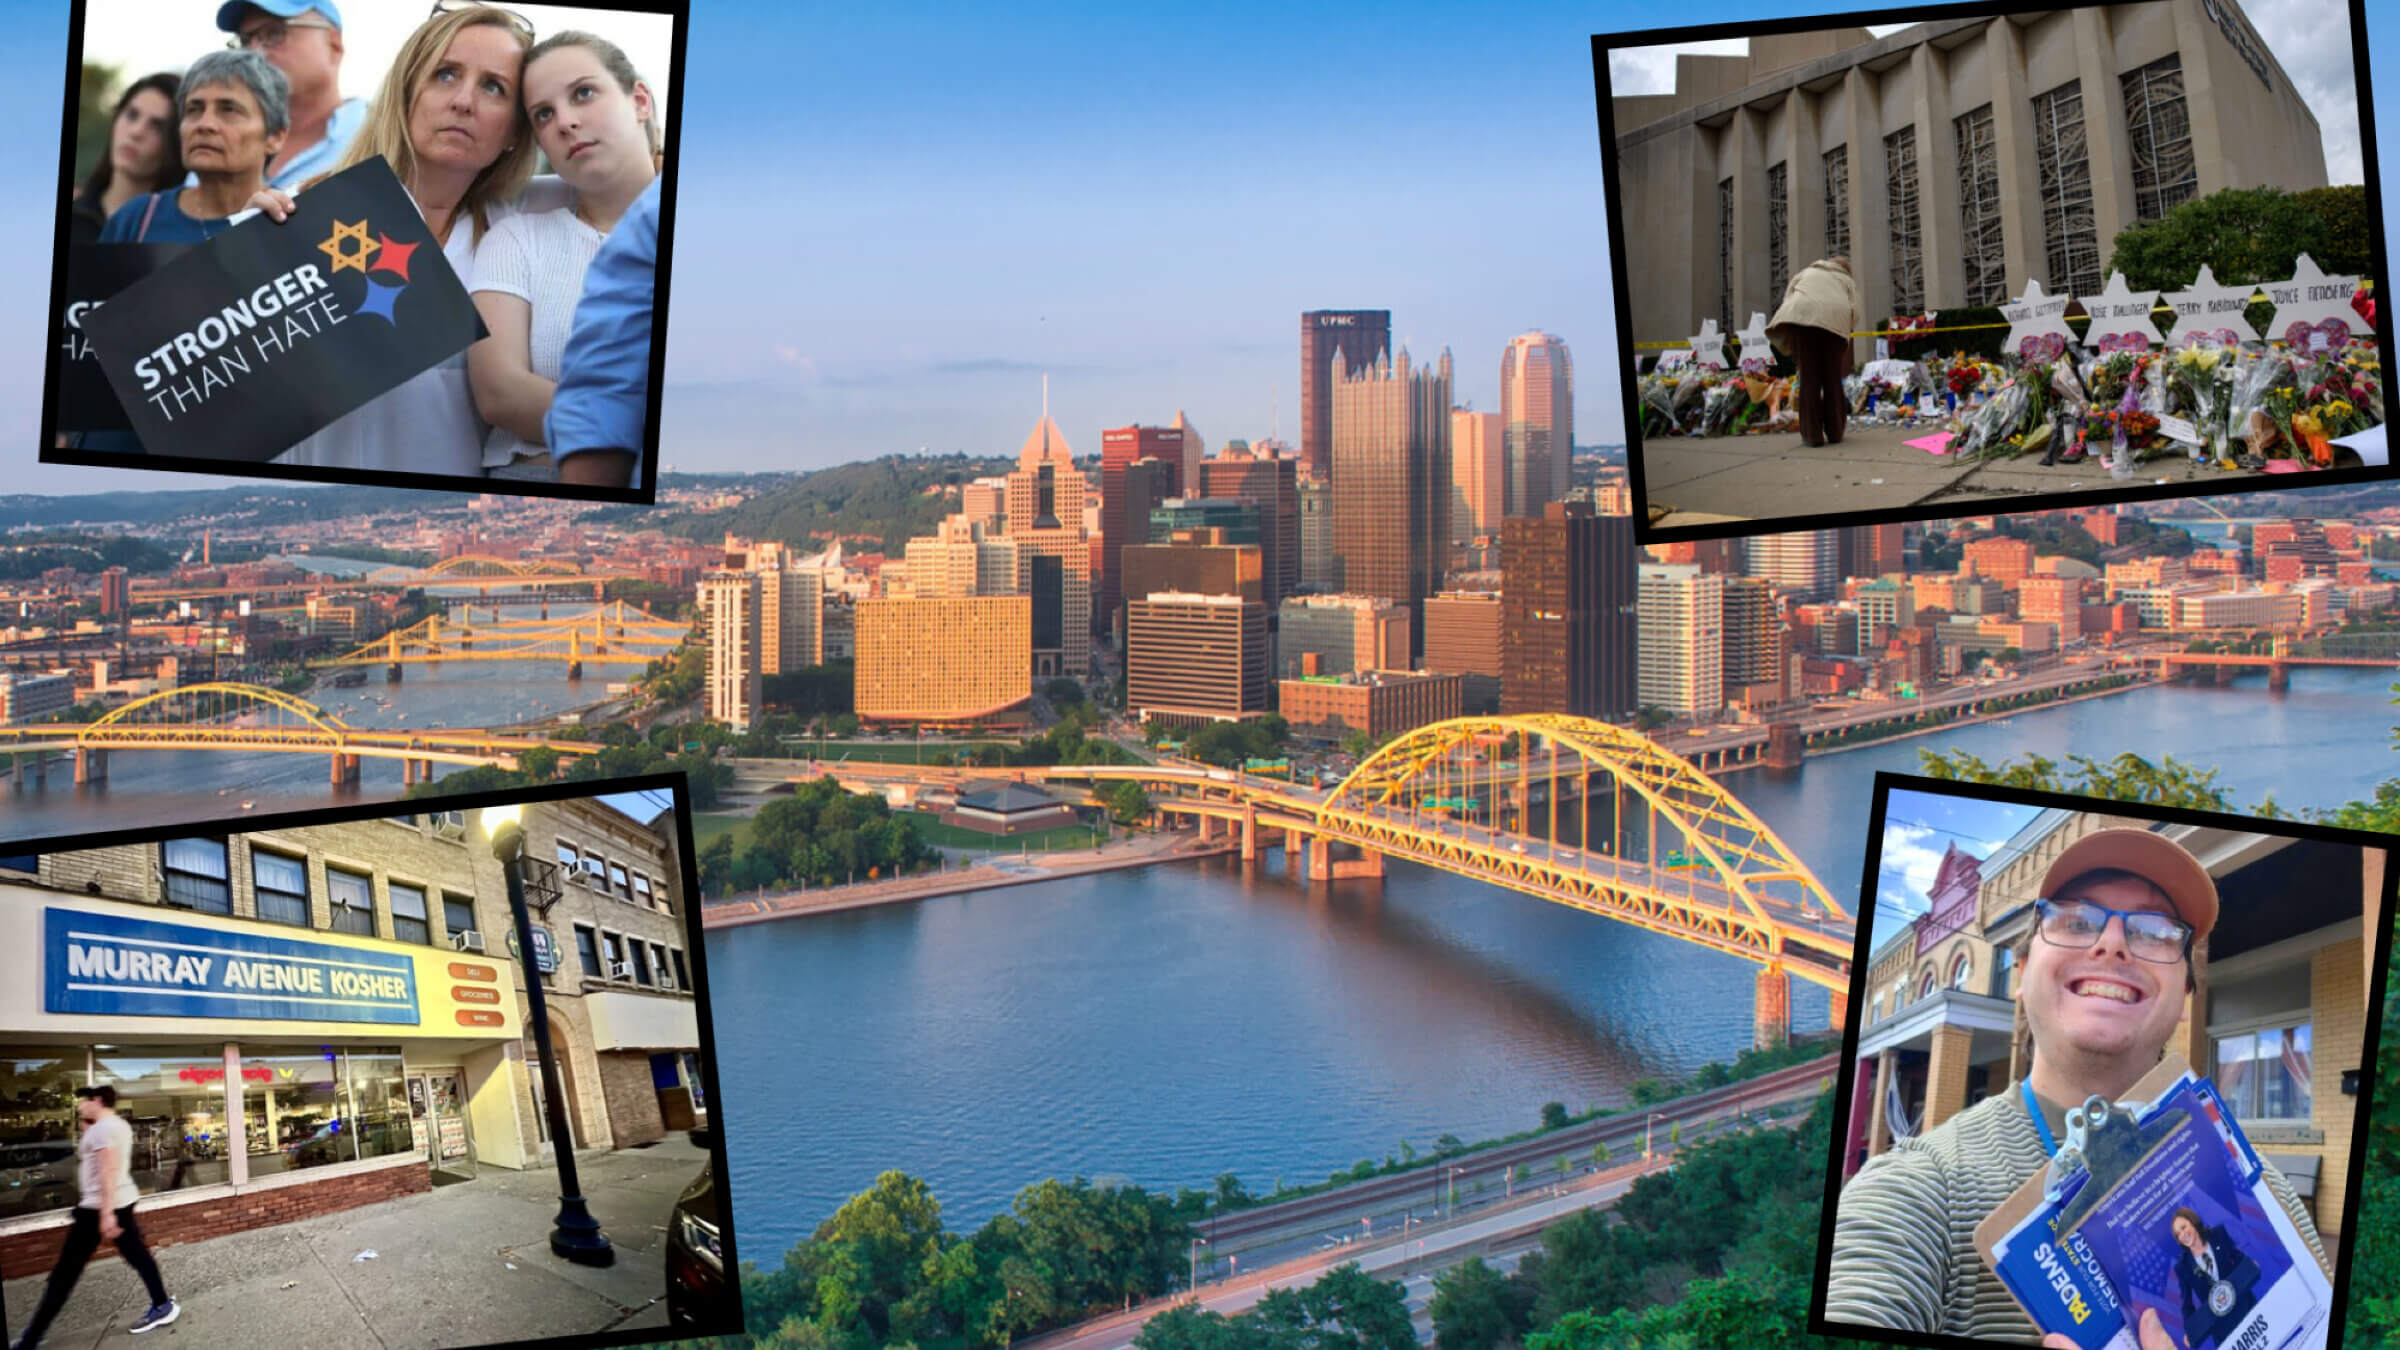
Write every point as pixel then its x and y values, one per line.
pixel 1952 161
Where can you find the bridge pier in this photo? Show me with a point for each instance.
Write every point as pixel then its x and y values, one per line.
pixel 91 766
pixel 391 673
pixel 575 670
pixel 1840 1017
pixel 2279 676
pixel 1320 859
pixel 1786 745
pixel 1772 1023
pixel 1368 863
pixel 408 773
pixel 345 770
pixel 1249 832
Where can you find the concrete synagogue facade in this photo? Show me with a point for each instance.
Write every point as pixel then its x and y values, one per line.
pixel 1952 162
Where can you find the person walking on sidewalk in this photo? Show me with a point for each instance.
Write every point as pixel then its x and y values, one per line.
pixel 105 1157
pixel 1814 324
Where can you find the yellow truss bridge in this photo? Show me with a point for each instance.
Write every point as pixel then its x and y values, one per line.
pixel 614 634
pixel 248 717
pixel 467 571
pixel 1573 811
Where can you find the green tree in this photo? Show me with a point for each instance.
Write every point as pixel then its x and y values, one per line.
pixel 1474 1307
pixel 1128 802
pixel 870 1255
pixel 716 866
pixel 1187 1326
pixel 1063 692
pixel 1346 1309
pixel 1357 744
pixel 1554 1115
pixel 2128 777
pixel 2247 235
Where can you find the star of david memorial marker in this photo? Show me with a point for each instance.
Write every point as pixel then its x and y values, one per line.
pixel 247 344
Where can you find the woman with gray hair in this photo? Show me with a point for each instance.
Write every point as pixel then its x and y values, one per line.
pixel 236 109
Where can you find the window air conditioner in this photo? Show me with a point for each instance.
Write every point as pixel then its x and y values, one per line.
pixel 469 941
pixel 622 970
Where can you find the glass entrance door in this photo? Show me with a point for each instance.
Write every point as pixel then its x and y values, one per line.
pixel 448 1146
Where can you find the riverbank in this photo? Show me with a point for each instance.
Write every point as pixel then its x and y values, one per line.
pixel 1902 733
pixel 1139 851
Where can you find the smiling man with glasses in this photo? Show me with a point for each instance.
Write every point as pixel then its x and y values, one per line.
pixel 2107 975
pixel 303 39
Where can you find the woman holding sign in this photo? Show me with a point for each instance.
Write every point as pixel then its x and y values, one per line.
pixel 597 121
pixel 450 121
pixel 236 109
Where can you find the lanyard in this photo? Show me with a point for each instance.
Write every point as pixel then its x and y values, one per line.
pixel 2033 1109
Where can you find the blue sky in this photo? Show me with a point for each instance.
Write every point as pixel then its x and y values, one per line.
pixel 893 222
pixel 1918 828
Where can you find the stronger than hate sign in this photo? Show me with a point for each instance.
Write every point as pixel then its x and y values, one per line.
pixel 246 345
pixel 107 964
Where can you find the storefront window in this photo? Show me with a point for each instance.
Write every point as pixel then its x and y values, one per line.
pixel 38 1128
pixel 281 885
pixel 588 950
pixel 196 875
pixel 174 1098
pixel 352 900
pixel 691 1078
pixel 379 1094
pixel 294 1111
pixel 409 921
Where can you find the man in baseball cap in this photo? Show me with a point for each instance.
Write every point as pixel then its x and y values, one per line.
pixel 2106 974
pixel 303 39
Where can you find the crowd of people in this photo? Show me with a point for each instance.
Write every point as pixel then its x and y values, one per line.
pixel 560 265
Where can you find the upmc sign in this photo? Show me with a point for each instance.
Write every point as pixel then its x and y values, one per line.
pixel 107 964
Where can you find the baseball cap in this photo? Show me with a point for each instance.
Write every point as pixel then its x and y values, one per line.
pixel 229 14
pixel 106 1093
pixel 2153 857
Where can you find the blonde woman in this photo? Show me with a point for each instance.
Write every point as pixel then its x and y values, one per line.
pixel 450 120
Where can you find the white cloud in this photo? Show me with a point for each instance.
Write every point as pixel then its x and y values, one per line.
pixel 1909 854
pixel 2311 41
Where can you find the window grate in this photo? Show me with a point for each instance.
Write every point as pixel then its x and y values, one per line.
pixel 1725 256
pixel 1900 189
pixel 2070 231
pixel 2159 134
pixel 1779 219
pixel 1837 202
pixel 1979 224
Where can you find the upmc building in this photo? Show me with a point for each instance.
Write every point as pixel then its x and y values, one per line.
pixel 1952 161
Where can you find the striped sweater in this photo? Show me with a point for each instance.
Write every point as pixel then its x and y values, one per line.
pixel 1904 1240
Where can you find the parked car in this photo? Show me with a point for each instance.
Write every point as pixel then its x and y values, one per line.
pixel 699 1294
pixel 37 1175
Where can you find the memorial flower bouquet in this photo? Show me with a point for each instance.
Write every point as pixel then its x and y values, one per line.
pixel 1690 393
pixel 2280 410
pixel 2246 416
pixel 2203 376
pixel 1723 405
pixel 2108 376
pixel 1658 405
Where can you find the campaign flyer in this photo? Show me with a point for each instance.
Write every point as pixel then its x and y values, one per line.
pixel 2057 1281
pixel 2191 1235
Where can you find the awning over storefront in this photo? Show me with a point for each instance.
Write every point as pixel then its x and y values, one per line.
pixel 642 1022
pixel 109 970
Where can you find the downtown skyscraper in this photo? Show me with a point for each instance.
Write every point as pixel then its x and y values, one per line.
pixel 1120 524
pixel 1391 478
pixel 1537 419
pixel 1362 336
pixel 1568 612
pixel 1806 561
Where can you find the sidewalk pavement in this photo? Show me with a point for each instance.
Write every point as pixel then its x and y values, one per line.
pixel 461 1265
pixel 1715 478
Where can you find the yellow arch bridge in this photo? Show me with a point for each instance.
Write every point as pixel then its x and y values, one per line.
pixel 248 717
pixel 613 634
pixel 1570 810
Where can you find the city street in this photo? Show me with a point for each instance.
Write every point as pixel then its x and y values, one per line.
pixel 464 1264
pixel 1715 478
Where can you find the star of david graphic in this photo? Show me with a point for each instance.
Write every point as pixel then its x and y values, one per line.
pixel 2121 314
pixel 2215 310
pixel 332 247
pixel 2049 334
pixel 1708 345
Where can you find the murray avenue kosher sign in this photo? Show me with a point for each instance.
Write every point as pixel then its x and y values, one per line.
pixel 108 964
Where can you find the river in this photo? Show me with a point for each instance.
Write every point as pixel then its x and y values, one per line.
pixel 1172 1023
pixel 153 786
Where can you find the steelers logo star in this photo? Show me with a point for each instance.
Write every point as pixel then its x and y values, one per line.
pixel 332 247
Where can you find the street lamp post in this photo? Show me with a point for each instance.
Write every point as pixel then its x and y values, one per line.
pixel 576 1234
pixel 1654 1116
